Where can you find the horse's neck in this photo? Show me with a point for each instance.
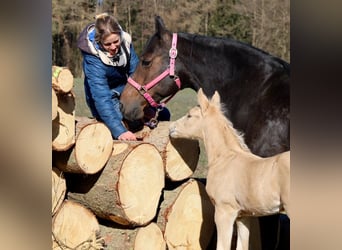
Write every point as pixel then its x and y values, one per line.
pixel 193 52
pixel 221 139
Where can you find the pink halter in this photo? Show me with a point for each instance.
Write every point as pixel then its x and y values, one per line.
pixel 169 71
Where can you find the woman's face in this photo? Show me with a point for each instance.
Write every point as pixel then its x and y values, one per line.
pixel 111 43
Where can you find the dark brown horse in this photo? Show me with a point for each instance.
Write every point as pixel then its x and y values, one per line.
pixel 254 85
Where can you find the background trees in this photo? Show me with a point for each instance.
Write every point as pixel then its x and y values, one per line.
pixel 263 23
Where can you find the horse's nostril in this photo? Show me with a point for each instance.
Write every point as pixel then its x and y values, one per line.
pixel 121 107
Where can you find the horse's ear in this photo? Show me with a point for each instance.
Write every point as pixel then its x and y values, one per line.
pixel 216 98
pixel 202 100
pixel 160 26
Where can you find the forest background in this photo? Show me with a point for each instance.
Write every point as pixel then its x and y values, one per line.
pixel 264 24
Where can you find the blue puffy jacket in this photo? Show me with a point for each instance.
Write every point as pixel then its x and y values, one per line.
pixel 105 77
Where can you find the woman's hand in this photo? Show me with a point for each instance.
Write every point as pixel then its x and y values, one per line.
pixel 127 136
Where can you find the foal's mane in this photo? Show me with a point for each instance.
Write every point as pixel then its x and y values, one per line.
pixel 220 110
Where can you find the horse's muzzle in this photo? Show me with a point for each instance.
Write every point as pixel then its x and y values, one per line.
pixel 131 112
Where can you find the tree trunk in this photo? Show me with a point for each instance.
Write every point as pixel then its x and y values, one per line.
pixel 93 147
pixel 147 237
pixel 62 79
pixel 186 217
pixel 63 127
pixel 180 155
pixel 128 189
pixel 75 227
pixel 58 189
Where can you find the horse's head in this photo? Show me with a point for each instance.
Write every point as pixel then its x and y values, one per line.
pixel 191 124
pixel 155 78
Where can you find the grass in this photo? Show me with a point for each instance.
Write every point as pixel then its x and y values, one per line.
pixel 178 106
pixel 81 108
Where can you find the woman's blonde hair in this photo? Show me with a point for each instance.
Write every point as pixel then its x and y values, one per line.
pixel 106 25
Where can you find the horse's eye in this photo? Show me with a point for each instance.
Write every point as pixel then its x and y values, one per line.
pixel 145 63
pixel 188 116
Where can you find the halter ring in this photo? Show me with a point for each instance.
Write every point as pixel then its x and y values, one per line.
pixel 142 90
pixel 173 53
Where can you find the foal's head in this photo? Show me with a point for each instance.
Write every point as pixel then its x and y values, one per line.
pixel 191 125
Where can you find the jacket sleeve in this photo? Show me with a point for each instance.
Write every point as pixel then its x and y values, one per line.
pixel 106 106
pixel 133 61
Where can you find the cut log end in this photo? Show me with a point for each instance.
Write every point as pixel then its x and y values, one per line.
pixel 62 79
pixel 94 146
pixel 58 189
pixel 180 155
pixel 141 182
pixel 182 158
pixel 74 226
pixel 63 128
pixel 149 237
pixel 190 219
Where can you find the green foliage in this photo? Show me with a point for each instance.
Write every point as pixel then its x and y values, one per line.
pixel 225 22
pixel 266 28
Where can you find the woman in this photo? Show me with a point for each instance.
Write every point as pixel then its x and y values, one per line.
pixel 108 60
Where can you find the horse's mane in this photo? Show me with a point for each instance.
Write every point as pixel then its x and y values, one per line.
pixel 227 41
pixel 211 41
pixel 227 124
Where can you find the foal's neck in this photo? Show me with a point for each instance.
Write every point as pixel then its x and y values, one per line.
pixel 221 139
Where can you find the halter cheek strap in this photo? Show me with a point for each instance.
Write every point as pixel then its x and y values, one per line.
pixel 169 71
pixel 173 54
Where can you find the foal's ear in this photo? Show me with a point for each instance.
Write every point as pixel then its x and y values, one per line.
pixel 202 100
pixel 216 98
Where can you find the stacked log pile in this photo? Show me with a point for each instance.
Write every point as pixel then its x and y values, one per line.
pixel 63 109
pixel 109 194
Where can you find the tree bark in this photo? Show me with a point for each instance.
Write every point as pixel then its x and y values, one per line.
pixel 128 189
pixel 63 127
pixel 186 216
pixel 74 227
pixel 62 79
pixel 93 147
pixel 180 156
pixel 58 189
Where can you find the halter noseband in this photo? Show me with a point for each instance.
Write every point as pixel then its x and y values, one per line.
pixel 169 71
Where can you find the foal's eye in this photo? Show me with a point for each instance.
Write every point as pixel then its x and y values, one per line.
pixel 145 63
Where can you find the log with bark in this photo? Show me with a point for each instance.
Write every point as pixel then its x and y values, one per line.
pixel 93 147
pixel 186 216
pixel 75 227
pixel 128 189
pixel 58 189
pixel 62 79
pixel 117 237
pixel 180 155
pixel 63 127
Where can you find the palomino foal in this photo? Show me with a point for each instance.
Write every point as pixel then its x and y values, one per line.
pixel 239 183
